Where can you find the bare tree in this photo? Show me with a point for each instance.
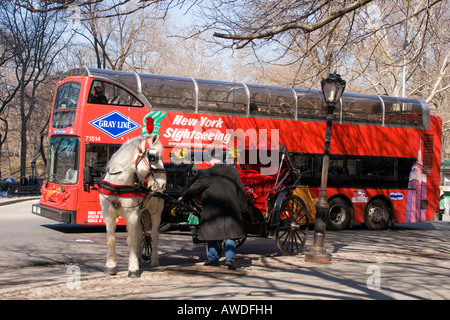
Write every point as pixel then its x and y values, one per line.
pixel 310 34
pixel 37 38
pixel 8 90
pixel 98 35
pixel 100 8
pixel 380 46
pixel 389 59
pixel 120 40
pixel 246 21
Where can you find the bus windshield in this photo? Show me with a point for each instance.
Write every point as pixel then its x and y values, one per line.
pixel 63 158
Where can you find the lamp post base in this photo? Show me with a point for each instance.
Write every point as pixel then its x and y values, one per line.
pixel 318 255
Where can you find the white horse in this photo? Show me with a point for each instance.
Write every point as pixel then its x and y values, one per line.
pixel 138 162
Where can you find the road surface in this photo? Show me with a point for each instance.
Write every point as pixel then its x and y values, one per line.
pixel 41 259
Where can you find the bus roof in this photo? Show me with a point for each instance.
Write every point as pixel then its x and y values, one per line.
pixel 222 97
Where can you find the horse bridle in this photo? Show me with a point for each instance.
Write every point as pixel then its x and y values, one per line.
pixel 146 154
pixel 149 157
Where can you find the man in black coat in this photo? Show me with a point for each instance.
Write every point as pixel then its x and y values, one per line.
pixel 223 198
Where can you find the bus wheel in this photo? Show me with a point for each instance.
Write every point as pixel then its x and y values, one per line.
pixel 339 215
pixel 376 216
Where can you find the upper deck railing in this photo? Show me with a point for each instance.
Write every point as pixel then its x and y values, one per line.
pixel 250 100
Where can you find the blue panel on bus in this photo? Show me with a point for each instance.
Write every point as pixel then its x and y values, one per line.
pixel 115 124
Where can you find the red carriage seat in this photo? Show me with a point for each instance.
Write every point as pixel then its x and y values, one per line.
pixel 260 185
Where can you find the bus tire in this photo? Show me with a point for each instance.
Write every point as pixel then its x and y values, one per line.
pixel 376 215
pixel 339 214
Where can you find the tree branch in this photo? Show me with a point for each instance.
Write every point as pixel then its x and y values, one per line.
pixel 307 28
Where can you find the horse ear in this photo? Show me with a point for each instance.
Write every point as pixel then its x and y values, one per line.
pixel 154 138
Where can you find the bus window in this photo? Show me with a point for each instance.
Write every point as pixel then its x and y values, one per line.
pixel 361 109
pixel 404 170
pixel 306 164
pixel 125 79
pixel 169 92
pixel 64 108
pixel 310 104
pixel 107 93
pixel 97 156
pixel 63 119
pixel 219 96
pixel 63 160
pixel 259 100
pixel 403 111
pixel 67 96
pixel 378 172
pixel 377 167
pixel 342 171
pixel 282 102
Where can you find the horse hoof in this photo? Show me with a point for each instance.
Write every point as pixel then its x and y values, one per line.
pixel 111 271
pixel 134 274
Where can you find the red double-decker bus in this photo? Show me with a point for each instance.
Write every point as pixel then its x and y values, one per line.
pixel 385 151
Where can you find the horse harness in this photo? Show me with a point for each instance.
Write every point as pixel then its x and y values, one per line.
pixel 147 157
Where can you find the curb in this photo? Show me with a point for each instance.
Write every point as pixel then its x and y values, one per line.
pixel 6 201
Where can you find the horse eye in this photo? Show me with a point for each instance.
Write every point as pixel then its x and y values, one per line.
pixel 152 158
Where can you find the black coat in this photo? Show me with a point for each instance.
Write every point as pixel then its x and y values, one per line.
pixel 223 198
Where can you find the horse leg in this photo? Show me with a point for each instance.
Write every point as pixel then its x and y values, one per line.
pixel 156 221
pixel 134 231
pixel 145 253
pixel 111 262
pixel 140 227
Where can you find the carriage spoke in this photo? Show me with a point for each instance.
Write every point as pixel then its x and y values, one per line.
pixel 293 226
pixel 302 239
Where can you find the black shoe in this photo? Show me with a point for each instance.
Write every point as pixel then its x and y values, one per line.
pixel 211 263
pixel 230 264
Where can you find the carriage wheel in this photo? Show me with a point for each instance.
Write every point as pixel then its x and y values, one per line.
pixel 146 246
pixel 293 226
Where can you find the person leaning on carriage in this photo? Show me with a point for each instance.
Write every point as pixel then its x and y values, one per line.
pixel 223 198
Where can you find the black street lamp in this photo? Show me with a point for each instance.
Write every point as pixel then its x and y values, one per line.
pixel 332 88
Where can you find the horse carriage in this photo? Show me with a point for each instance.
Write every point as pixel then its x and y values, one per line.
pixel 139 187
pixel 277 206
